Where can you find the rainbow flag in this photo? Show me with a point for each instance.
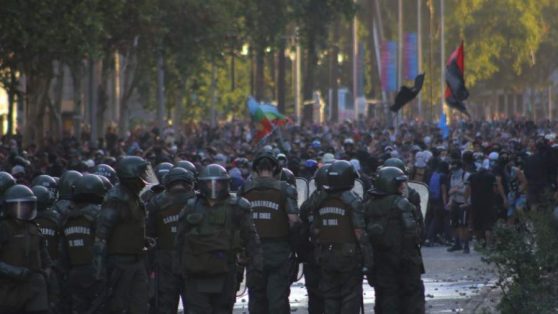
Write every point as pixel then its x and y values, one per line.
pixel 266 117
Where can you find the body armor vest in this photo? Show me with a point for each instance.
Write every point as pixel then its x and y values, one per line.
pixel 268 211
pixel 79 232
pixel 23 248
pixel 49 227
pixel 386 228
pixel 333 219
pixel 166 221
pixel 128 235
pixel 208 247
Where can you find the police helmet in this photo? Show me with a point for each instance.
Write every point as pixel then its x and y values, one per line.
pixel 20 203
pixel 320 178
pixel 45 199
pixel 341 175
pixel 162 169
pixel 395 162
pixel 106 171
pixel 214 182
pixel 389 179
pixel 89 189
pixel 6 182
pixel 266 157
pixel 67 182
pixel 178 175
pixel 187 165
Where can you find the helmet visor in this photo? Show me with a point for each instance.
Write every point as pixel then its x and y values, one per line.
pixel 215 188
pixel 22 210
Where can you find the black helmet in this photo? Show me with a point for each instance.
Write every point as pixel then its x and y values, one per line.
pixel 214 182
pixel 162 169
pixel 45 199
pixel 185 164
pixel 46 181
pixel 67 182
pixel 106 171
pixel 178 174
pixel 6 182
pixel 397 163
pixel 389 179
pixel 89 189
pixel 20 203
pixel 131 167
pixel 108 185
pixel 320 177
pixel 341 175
pixel 266 155
pixel 288 176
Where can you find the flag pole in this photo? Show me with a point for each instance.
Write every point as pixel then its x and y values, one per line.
pixel 399 114
pixel 442 58
pixel 419 50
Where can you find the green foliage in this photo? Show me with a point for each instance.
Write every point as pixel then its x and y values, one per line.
pixel 526 260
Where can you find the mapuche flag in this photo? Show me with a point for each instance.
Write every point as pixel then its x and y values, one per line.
pixel 266 118
pixel 456 92
pixel 407 94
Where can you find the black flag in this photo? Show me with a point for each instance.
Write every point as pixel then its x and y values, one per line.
pixel 407 94
pixel 456 92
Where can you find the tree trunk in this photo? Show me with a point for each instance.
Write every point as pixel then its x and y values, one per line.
pixel 102 96
pixel 129 83
pixel 260 67
pixel 311 62
pixel 281 77
pixel 11 101
pixel 56 104
pixel 77 74
pixel 37 90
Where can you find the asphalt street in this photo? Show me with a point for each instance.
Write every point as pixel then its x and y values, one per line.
pixel 454 283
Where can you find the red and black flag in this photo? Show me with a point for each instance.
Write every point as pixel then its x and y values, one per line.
pixel 456 92
pixel 407 94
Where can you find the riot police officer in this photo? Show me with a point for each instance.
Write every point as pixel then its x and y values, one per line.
pixel 288 176
pixel 340 241
pixel 62 206
pixel 411 194
pixel 24 260
pixel 163 212
pixel 187 165
pixel 310 268
pixel 392 226
pixel 6 182
pixel 120 238
pixel 79 235
pixel 49 223
pixel 213 227
pixel 275 213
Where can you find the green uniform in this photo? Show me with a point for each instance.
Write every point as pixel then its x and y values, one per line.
pixel 393 228
pixel 338 252
pixel 311 269
pixel 208 240
pixel 162 224
pixel 272 201
pixel 78 238
pixel 50 225
pixel 120 240
pixel 23 258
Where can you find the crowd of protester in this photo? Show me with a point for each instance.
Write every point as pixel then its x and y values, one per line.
pixel 477 174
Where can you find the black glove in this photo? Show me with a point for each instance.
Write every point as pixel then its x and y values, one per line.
pixel 14 272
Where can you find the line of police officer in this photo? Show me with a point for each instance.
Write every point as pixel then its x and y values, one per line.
pixel 105 247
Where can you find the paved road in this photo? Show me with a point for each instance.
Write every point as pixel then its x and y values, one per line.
pixel 454 282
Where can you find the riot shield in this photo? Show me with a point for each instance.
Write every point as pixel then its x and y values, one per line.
pixel 359 188
pixel 302 190
pixel 422 190
pixel 311 186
